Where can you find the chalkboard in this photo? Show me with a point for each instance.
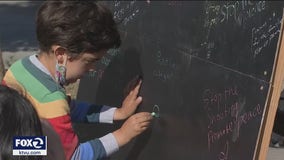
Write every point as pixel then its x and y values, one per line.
pixel 207 68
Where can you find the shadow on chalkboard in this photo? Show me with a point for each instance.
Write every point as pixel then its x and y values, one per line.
pixel 139 144
pixel 118 77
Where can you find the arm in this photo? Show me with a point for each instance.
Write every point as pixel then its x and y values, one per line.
pixel 105 146
pixel 95 149
pixel 84 112
pixel 132 127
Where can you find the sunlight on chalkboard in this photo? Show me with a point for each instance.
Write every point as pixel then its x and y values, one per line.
pixel 261 87
pixel 265 73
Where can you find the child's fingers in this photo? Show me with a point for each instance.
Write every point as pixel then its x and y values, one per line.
pixel 136 89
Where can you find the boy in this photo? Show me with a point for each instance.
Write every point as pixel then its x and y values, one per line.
pixel 72 36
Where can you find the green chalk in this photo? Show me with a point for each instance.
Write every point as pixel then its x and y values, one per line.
pixel 154 114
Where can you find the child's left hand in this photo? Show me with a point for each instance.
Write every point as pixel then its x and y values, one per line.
pixel 129 104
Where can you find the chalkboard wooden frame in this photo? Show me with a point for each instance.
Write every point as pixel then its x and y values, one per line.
pixel 272 100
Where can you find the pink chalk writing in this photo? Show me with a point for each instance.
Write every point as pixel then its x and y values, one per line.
pixel 234 125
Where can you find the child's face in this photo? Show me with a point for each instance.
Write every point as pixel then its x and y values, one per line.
pixel 76 68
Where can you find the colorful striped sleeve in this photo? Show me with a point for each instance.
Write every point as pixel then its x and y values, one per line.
pixel 96 149
pixel 85 112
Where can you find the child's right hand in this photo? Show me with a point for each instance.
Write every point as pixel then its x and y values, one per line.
pixel 133 126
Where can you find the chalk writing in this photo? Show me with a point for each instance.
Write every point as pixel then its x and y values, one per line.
pixel 103 63
pixel 165 66
pixel 238 11
pixel 166 62
pixel 230 111
pixel 97 74
pixel 125 11
pixel 187 50
pixel 205 47
pixel 233 125
pixel 264 34
pixel 226 114
pixel 174 3
pixel 208 47
pixel 213 98
pixel 162 75
pixel 105 60
pixel 113 52
pixel 224 154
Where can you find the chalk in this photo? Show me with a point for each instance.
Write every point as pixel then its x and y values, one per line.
pixel 155 114
pixel 156 111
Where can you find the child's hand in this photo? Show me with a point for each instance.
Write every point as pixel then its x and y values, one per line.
pixel 133 126
pixel 129 104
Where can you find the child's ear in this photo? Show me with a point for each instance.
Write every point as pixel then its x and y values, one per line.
pixel 60 54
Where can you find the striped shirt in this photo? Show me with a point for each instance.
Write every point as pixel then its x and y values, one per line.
pixel 33 80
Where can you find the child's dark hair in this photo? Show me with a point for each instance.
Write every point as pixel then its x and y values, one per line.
pixel 78 26
pixel 17 118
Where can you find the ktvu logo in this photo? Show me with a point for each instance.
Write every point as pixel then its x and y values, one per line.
pixel 30 145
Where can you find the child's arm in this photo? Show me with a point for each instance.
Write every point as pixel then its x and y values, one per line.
pixel 91 113
pixel 84 112
pixel 105 146
pixel 98 148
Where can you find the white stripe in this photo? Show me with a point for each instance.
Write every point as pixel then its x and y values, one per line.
pixel 106 114
pixel 110 144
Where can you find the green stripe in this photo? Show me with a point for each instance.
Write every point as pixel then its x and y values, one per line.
pixel 40 85
pixel 42 77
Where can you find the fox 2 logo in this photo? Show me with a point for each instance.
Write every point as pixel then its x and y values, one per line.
pixel 29 142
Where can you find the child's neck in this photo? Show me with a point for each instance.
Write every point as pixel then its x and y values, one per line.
pixel 49 62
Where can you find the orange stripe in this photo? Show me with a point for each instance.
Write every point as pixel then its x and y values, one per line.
pixel 51 109
pixel 45 110
pixel 13 83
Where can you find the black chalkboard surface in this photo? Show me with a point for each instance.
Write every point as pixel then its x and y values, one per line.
pixel 206 67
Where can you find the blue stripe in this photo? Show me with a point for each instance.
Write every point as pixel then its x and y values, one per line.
pixel 93 114
pixel 79 111
pixel 91 150
pixel 98 148
pixel 83 152
pixel 84 112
